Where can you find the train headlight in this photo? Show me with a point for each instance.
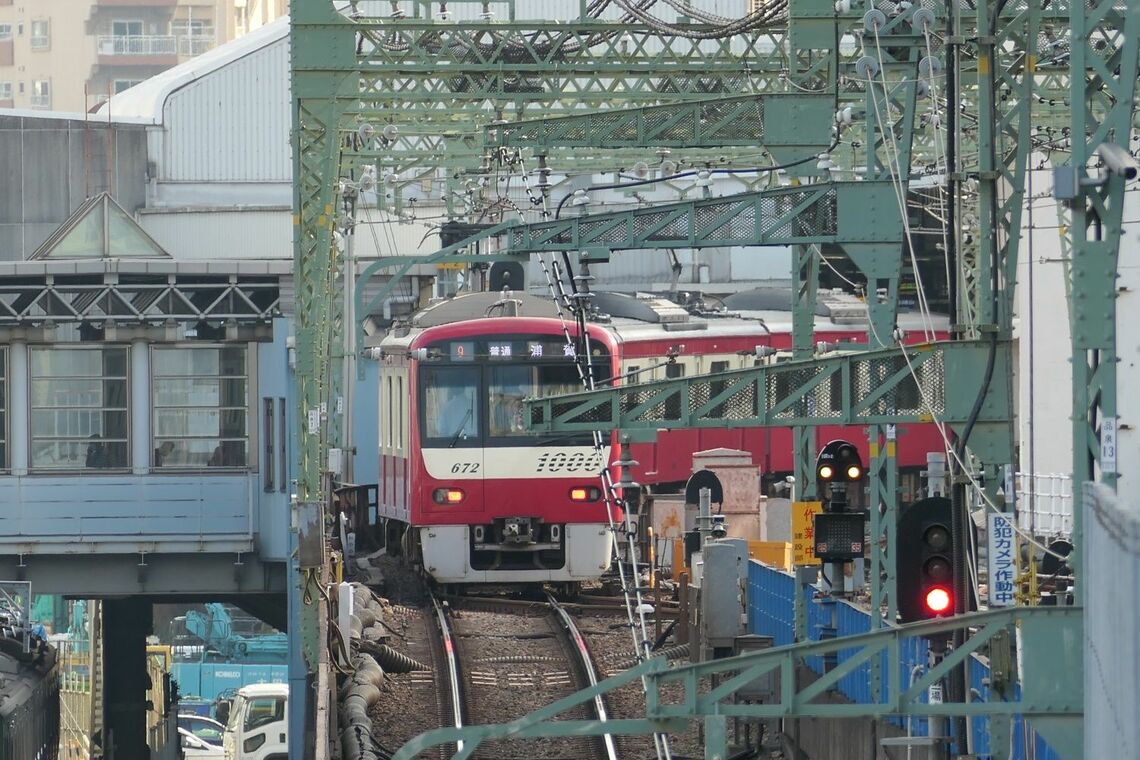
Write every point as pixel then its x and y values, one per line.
pixel 448 495
pixel 585 493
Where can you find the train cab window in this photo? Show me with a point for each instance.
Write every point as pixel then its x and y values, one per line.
pixel 451 404
pixel 509 385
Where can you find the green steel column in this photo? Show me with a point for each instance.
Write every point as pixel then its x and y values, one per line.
pixel 883 475
pixel 323 56
pixel 1102 99
pixel 805 274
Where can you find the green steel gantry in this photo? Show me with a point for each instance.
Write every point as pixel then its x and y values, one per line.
pixel 1051 634
pixel 435 99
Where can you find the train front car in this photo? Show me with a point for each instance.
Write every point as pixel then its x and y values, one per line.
pixel 488 503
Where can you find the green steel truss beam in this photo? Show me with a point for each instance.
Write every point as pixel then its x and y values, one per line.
pixel 874 387
pixel 708 688
pixel 829 212
pixel 741 121
pixel 1106 39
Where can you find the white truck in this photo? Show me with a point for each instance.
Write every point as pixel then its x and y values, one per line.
pixel 258 723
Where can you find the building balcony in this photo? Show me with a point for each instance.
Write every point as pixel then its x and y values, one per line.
pixel 41 101
pixel 135 3
pixel 137 50
pixel 151 49
pixel 195 44
pixel 141 44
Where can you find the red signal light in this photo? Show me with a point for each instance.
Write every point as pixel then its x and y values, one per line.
pixel 938 600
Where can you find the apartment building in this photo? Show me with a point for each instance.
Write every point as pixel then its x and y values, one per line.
pixel 71 55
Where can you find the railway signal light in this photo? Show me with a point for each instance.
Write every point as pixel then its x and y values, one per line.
pixel 839 461
pixel 924 567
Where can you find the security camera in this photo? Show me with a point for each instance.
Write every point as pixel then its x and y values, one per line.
pixel 1118 160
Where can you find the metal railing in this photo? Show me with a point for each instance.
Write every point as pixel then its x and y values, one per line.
pixel 1045 503
pixel 41 101
pixel 137 44
pixel 166 44
pixel 195 44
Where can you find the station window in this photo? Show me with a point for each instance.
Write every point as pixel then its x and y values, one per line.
pixel 282 460
pixel 79 408
pixel 3 409
pixel 200 406
pixel 270 443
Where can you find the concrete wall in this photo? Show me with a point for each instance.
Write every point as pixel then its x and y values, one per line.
pixel 49 166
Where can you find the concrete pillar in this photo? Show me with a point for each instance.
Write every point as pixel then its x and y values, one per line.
pixel 126 624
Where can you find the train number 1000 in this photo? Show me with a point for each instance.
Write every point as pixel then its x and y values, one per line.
pixel 560 461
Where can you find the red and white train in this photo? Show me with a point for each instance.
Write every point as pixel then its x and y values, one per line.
pixel 464 487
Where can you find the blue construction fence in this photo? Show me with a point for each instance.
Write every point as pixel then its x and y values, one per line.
pixel 771 605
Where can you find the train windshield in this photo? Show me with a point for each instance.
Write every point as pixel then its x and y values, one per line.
pixel 471 390
pixel 451 404
pixel 508 385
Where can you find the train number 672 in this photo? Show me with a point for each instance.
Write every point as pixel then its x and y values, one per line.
pixel 465 467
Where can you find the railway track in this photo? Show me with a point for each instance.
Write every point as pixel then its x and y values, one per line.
pixel 494 662
pixel 449 686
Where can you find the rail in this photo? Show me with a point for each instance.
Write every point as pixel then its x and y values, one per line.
pixel 587 665
pixel 452 664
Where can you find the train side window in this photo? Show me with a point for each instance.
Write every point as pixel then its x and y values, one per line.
pixel 673 403
pixel 270 442
pixel 717 386
pixel 388 423
pixel 401 399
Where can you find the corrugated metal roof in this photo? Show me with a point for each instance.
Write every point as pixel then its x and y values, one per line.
pixel 148 99
pixel 232 126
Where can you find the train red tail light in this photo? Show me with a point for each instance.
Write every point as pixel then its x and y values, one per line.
pixel 938 600
pixel 585 493
pixel 448 495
